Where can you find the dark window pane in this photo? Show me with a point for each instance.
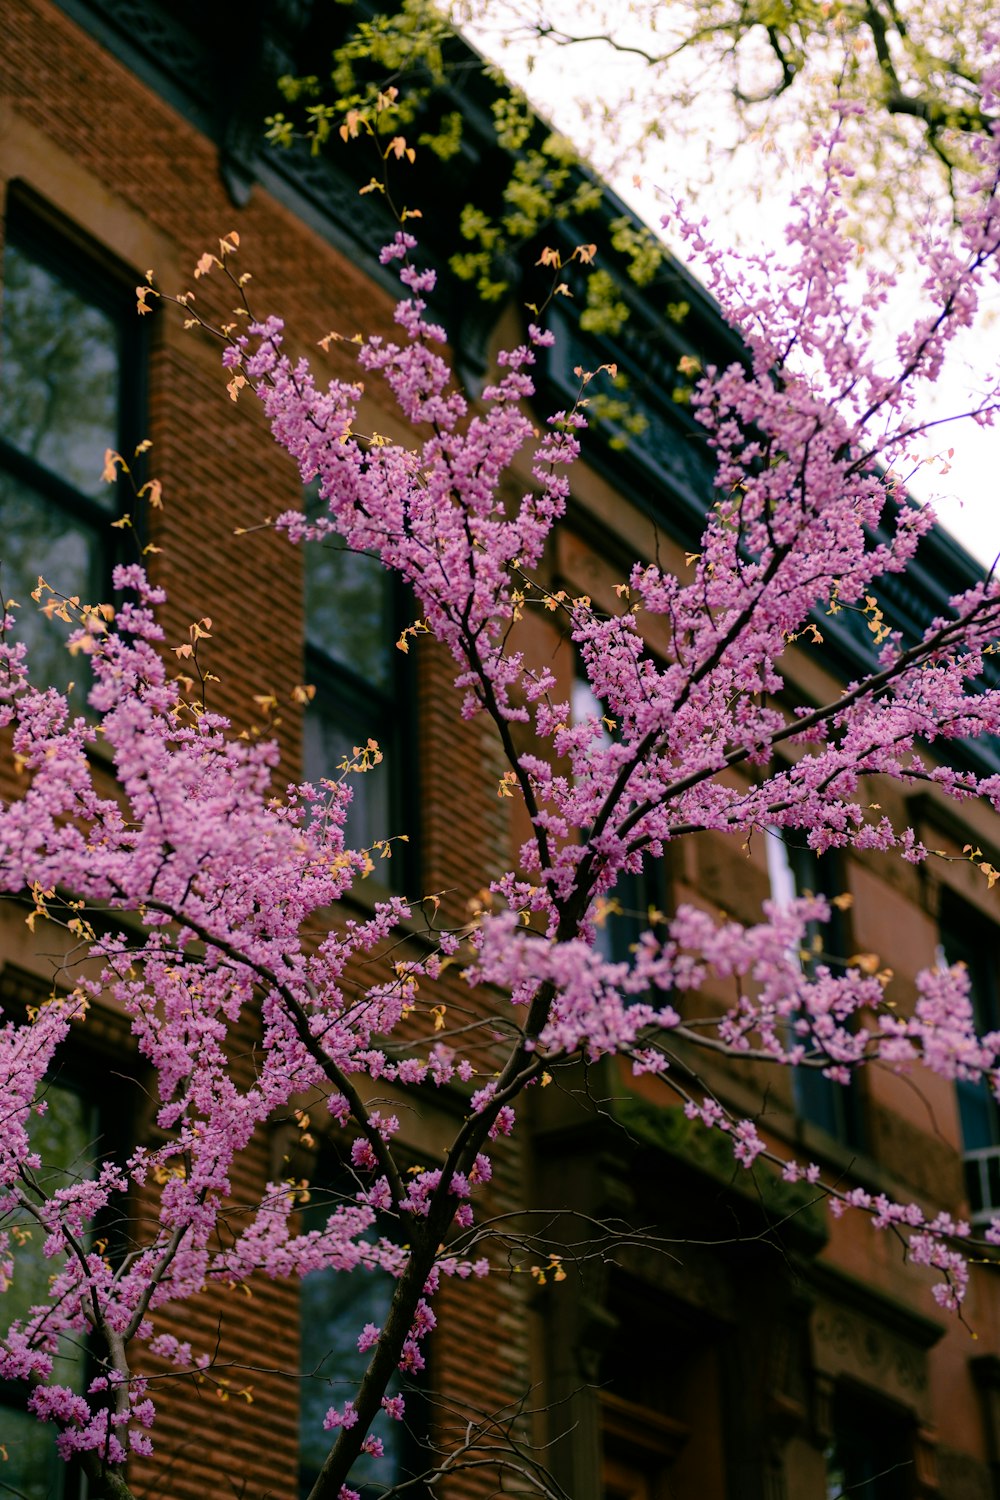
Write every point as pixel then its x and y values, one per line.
pixel 871 1457
pixel 59 375
pixel 978 1115
pixel 969 939
pixel 335 1307
pixel 793 870
pixel 32 1456
pixel 977 1183
pixel 329 740
pixel 40 539
pixel 820 1101
pixel 352 621
pixel 631 907
pixel 350 616
pixel 66 1139
pixel 637 896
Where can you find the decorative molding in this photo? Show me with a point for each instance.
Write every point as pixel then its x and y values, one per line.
pixel 858 1334
pixel 896 1317
pixel 852 1345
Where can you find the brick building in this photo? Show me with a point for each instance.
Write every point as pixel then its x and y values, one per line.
pixel 129 138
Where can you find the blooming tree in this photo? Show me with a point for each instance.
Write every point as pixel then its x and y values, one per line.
pixel 192 886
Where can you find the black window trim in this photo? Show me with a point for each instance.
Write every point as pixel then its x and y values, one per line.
pixel 393 723
pixel 69 253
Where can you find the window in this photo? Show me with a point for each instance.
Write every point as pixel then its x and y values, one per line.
pixel 871 1455
pixel 794 869
pixel 334 1307
pixel 353 620
pixel 71 1137
pixel 635 895
pixel 70 348
pixel 85 1122
pixel 65 1138
pixel 970 939
pixel 661 1419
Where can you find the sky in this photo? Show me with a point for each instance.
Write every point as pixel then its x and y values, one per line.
pixel 746 203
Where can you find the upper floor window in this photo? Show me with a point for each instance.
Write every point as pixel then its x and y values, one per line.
pixel 970 939
pixel 871 1453
pixel 353 620
pixel 638 898
pixel 795 870
pixel 70 388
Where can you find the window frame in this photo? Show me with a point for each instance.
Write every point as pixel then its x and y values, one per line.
pixel 334 1181
pixel 385 715
pixel 70 256
pixel 83 1070
pixel 864 1425
pixel 636 894
pixel 821 1103
pixel 972 934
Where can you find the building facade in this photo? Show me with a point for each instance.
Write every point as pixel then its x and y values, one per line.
pixel 748 1346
